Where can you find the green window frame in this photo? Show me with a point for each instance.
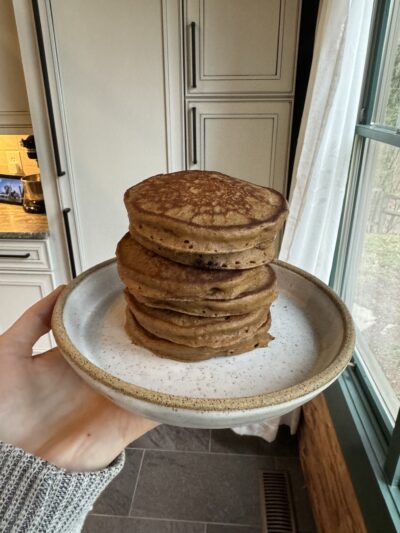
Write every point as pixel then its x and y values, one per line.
pixel 367 431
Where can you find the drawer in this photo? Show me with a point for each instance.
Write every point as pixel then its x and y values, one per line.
pixel 24 255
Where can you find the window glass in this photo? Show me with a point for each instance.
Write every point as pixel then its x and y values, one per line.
pixel 389 94
pixel 374 280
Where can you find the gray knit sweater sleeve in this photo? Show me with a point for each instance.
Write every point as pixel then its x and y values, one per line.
pixel 38 497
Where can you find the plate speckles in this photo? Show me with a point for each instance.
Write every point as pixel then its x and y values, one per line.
pixel 313 333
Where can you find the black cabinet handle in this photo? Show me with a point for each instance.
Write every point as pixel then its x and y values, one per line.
pixel 69 241
pixel 194 137
pixel 193 49
pixel 16 256
pixel 45 74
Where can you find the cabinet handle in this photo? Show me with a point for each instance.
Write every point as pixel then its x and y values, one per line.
pixel 193 49
pixel 16 256
pixel 46 84
pixel 194 137
pixel 69 241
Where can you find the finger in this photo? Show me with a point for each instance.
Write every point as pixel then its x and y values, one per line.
pixel 36 320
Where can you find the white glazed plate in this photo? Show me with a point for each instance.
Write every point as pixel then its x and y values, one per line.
pixel 314 340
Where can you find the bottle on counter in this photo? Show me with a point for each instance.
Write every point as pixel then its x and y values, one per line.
pixel 33 201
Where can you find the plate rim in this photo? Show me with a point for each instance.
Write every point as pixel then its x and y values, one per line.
pixel 287 394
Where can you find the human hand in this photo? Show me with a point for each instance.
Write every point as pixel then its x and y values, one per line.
pixel 48 410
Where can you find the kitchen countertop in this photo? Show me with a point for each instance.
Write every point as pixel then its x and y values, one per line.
pixel 15 223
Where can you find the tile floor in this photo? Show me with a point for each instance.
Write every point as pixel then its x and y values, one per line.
pixel 178 480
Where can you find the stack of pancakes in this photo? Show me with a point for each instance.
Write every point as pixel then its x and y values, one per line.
pixel 195 264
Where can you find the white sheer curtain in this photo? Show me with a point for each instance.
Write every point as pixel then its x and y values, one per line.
pixel 326 135
pixel 324 150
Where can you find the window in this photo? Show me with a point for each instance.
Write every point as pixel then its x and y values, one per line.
pixel 367 272
pixel 372 277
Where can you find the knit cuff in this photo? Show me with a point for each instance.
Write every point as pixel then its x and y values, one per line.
pixel 38 496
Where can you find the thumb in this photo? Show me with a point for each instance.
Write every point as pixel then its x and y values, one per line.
pixel 36 320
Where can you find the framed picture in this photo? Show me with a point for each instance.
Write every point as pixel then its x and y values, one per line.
pixel 11 189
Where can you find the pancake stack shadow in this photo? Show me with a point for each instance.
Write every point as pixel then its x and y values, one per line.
pixel 195 264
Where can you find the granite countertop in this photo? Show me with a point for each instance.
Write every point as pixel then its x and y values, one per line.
pixel 15 223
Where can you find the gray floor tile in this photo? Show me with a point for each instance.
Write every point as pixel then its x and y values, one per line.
pixel 107 524
pixel 173 438
pixel 200 487
pixel 117 497
pixel 216 528
pixel 117 524
pixel 305 520
pixel 225 440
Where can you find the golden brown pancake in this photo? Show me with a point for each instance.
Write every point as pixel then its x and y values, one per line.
pixel 149 275
pixel 199 212
pixel 169 349
pixel 259 255
pixel 244 303
pixel 196 331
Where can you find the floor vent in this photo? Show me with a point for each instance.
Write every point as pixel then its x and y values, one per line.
pixel 276 503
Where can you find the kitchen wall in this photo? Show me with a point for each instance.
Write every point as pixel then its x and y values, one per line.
pixel 13 157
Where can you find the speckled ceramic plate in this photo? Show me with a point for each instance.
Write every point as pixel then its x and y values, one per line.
pixel 314 340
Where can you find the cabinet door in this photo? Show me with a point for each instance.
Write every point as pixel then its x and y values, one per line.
pixel 20 290
pixel 236 46
pixel 14 109
pixel 248 140
pixel 116 84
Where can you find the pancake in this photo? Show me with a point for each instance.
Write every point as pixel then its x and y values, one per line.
pixel 196 331
pixel 149 275
pixel 199 212
pixel 169 349
pixel 245 303
pixel 259 255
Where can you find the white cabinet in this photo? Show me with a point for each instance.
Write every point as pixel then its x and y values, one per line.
pixel 25 277
pixel 240 62
pixel 236 46
pixel 14 109
pixel 21 254
pixel 20 290
pixel 115 79
pixel 245 139
pixel 120 108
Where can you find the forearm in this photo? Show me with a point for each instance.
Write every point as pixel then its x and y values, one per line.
pixel 36 496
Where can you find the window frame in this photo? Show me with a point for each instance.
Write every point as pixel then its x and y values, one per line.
pixel 361 420
pixel 347 239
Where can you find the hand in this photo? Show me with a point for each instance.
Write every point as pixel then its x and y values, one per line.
pixel 47 410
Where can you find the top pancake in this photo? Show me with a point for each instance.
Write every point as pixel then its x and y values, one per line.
pixel 205 212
